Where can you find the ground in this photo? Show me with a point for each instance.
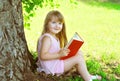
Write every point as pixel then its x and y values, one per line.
pixel 43 77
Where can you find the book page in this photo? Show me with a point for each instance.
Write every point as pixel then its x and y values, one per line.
pixel 75 37
pixel 68 44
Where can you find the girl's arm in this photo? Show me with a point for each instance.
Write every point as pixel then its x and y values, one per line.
pixel 44 51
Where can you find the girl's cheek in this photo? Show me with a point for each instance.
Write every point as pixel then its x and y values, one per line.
pixel 60 25
pixel 52 24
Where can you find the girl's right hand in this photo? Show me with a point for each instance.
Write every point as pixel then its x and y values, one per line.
pixel 64 52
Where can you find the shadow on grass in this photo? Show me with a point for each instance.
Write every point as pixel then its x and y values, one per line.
pixel 107 4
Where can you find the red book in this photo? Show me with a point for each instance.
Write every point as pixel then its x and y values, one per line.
pixel 74 45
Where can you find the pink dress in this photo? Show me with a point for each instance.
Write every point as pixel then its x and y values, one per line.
pixel 50 66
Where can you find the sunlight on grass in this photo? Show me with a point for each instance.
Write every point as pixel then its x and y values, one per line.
pixel 98 26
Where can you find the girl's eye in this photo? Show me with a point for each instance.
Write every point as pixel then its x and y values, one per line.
pixel 53 22
pixel 60 23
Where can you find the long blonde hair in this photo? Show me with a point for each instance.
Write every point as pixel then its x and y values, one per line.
pixel 62 34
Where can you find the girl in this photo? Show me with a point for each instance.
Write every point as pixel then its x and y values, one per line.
pixel 49 49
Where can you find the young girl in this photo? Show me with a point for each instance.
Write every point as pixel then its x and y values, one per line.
pixel 50 49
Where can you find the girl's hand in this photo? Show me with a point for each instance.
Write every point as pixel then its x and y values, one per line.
pixel 64 52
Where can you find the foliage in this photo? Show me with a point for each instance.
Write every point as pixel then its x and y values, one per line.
pixel 29 6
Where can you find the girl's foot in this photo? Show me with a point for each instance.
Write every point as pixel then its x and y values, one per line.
pixel 96 77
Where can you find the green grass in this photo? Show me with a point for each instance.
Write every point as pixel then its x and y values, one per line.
pixel 99 26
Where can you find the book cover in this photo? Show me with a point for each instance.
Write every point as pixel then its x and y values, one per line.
pixel 74 45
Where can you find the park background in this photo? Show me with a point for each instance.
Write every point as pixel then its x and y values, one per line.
pixel 98 23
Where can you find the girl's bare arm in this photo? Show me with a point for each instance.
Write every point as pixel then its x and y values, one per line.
pixel 44 51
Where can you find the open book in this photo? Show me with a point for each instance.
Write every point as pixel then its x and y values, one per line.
pixel 74 45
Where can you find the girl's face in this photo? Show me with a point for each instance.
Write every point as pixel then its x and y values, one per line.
pixel 55 26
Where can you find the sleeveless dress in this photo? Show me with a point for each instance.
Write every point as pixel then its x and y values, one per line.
pixel 50 66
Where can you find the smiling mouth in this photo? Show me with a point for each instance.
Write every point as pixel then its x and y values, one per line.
pixel 56 29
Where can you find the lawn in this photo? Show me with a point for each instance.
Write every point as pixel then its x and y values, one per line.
pixel 98 25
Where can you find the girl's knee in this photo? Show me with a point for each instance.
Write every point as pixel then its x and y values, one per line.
pixel 80 54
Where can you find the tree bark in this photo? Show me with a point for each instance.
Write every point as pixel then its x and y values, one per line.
pixel 14 53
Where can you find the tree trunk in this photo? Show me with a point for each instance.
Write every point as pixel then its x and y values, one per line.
pixel 14 60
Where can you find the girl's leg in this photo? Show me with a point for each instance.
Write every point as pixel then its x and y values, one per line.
pixel 81 65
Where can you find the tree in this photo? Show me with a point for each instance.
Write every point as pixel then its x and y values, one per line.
pixel 15 59
pixel 14 54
